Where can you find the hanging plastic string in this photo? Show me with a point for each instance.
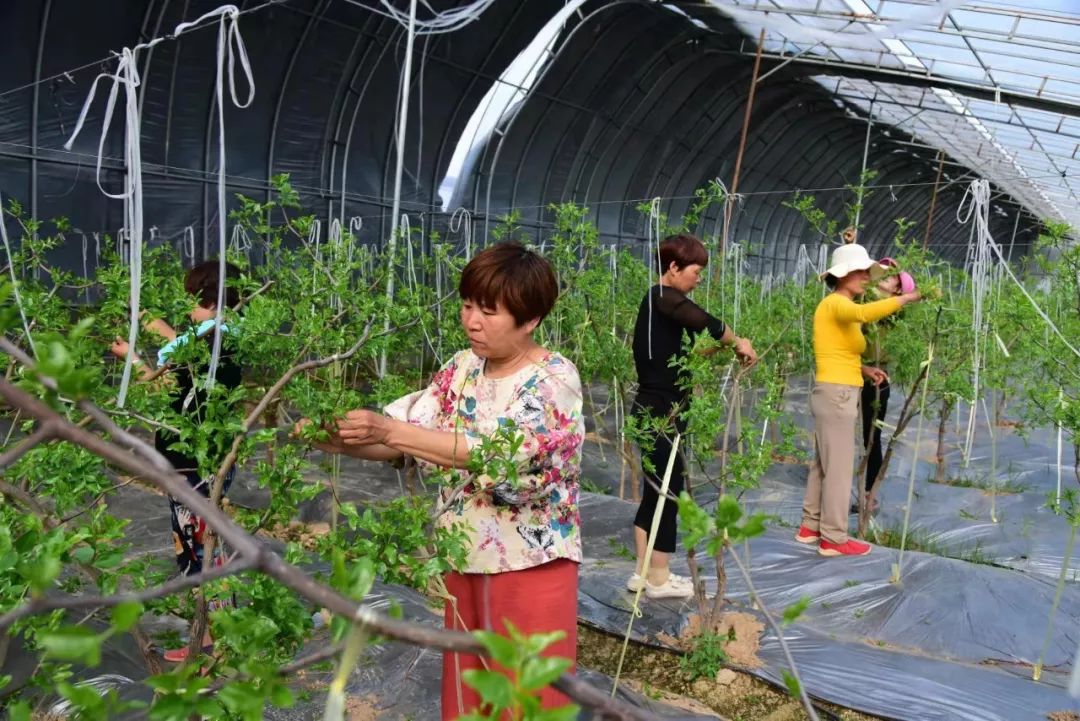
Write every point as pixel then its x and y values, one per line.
pixel 356 224
pixel 314 241
pixel 15 282
pixel 85 264
pixel 239 242
pixel 401 124
pixel 126 76
pixel 230 46
pixel 979 194
pixel 443 22
pixel 187 244
pixel 123 244
pixel 333 255
pixel 654 239
pixel 462 221
pixel 736 253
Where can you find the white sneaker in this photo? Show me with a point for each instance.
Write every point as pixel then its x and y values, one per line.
pixel 635 583
pixel 675 587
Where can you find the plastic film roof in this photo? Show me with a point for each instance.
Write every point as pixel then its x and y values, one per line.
pixel 994 85
pixel 605 103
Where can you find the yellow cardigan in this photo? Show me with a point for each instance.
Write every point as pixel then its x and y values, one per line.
pixel 838 339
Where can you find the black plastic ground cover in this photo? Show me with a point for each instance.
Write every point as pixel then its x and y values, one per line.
pixel 393 681
pixel 952 640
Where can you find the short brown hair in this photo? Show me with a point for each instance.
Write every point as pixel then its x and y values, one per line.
pixel 511 275
pixel 682 249
pixel 202 282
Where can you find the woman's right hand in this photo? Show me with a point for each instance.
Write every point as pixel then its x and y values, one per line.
pixel 119 347
pixel 332 445
pixel 912 297
pixel 745 352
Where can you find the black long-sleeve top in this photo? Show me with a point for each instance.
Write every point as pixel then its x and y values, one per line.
pixel 672 314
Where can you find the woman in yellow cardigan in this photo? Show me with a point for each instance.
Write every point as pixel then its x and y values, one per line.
pixel 834 402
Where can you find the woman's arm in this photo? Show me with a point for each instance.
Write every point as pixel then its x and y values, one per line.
pixel 848 311
pixel 367 429
pixel 693 317
pixel 120 348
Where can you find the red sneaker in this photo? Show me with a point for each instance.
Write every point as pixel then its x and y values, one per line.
pixel 850 547
pixel 805 535
pixel 179 655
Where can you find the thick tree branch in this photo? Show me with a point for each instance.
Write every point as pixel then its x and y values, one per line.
pixel 43 433
pixel 183 583
pixel 264 559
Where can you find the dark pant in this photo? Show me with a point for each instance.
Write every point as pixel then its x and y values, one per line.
pixel 658 458
pixel 875 403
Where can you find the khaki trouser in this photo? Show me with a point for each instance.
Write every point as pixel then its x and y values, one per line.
pixel 835 409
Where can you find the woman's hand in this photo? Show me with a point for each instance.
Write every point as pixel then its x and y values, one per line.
pixel 332 445
pixel 745 352
pixel 875 375
pixel 119 348
pixel 912 297
pixel 363 428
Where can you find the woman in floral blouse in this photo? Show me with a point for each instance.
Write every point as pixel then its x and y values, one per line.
pixel 524 539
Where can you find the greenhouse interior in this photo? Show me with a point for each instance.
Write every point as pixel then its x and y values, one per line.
pixel 751 328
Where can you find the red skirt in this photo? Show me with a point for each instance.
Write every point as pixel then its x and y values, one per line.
pixel 534 600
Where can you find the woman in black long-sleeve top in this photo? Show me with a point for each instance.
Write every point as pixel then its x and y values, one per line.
pixel 667 313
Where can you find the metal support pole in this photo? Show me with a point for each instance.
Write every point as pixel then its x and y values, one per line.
pixel 742 140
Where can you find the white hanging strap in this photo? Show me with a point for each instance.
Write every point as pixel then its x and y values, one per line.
pixel 187 243
pixel 461 221
pixel 239 242
pixel 15 282
pixel 979 207
pixel 85 264
pixel 654 238
pixel 229 44
pixel 356 224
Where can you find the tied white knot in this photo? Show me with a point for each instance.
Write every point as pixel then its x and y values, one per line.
pixel 126 75
pixel 229 45
pixel 461 221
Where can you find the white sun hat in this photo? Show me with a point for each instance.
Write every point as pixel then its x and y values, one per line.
pixel 849 257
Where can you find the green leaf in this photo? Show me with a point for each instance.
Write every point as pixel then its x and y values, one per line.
pixel 727 512
pixel 792 684
pixel 493 687
pixel 73 643
pixel 565 713
pixel 19 711
pixel 539 672
pixel 502 649
pixel 282 696
pixel 752 528
pixel 126 615
pixel 44 572
pixel 792 612
pixel 83 554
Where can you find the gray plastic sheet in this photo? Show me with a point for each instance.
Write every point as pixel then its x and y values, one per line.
pixel 1013 529
pixel 951 640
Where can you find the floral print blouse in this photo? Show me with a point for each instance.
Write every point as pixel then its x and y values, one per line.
pixel 512 523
